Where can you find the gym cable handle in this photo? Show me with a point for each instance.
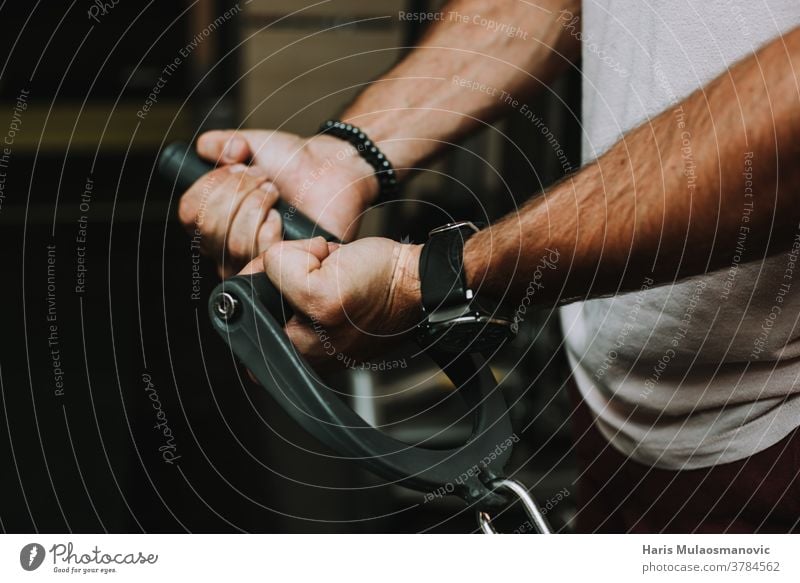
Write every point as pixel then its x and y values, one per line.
pixel 181 165
pixel 249 314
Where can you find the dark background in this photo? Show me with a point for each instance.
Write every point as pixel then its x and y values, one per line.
pixel 88 460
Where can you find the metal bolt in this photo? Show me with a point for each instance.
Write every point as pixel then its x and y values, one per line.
pixel 226 306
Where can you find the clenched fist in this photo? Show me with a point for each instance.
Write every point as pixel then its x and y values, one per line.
pixel 363 297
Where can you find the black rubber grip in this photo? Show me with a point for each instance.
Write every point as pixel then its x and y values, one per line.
pixel 180 164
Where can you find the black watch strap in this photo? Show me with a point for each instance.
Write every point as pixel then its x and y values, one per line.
pixel 441 266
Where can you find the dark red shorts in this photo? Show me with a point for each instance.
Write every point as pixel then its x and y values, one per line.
pixel 615 494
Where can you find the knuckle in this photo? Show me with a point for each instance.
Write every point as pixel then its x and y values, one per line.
pixel 241 184
pixel 256 204
pixel 266 242
pixel 238 249
pixel 208 137
pixel 187 210
pixel 272 255
pixel 210 182
pixel 272 227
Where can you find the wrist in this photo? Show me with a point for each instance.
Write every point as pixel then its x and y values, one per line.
pixel 382 130
pixel 369 151
pixel 406 295
pixel 476 267
pixel 342 154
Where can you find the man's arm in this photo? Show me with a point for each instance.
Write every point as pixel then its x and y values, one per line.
pixel 670 199
pixel 454 78
pixel 417 99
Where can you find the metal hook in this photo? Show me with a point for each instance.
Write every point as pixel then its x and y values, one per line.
pixel 531 509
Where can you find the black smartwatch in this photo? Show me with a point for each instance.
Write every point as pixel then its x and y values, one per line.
pixel 455 319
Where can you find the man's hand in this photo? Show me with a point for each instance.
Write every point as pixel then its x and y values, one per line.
pixel 322 177
pixel 351 301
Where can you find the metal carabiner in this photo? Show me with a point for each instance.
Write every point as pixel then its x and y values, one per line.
pixel 531 508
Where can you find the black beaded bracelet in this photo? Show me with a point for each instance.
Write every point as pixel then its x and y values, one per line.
pixel 366 148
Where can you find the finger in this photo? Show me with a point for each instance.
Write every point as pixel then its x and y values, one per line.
pixel 246 224
pixel 219 203
pixel 191 204
pixel 305 339
pixel 224 146
pixel 318 247
pixel 317 348
pixel 291 264
pixel 271 231
pixel 301 335
pixel 255 266
pixel 226 269
pixel 252 377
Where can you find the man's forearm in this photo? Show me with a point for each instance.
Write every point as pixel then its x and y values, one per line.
pixel 669 200
pixel 428 99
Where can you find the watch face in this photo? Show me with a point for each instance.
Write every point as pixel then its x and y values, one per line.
pixel 469 334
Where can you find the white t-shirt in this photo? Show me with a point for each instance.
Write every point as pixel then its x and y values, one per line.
pixel 704 371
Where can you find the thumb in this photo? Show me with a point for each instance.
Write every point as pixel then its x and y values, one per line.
pixel 255 266
pixel 224 146
pixel 291 265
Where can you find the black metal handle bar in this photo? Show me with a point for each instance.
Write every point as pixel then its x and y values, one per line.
pixel 248 313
